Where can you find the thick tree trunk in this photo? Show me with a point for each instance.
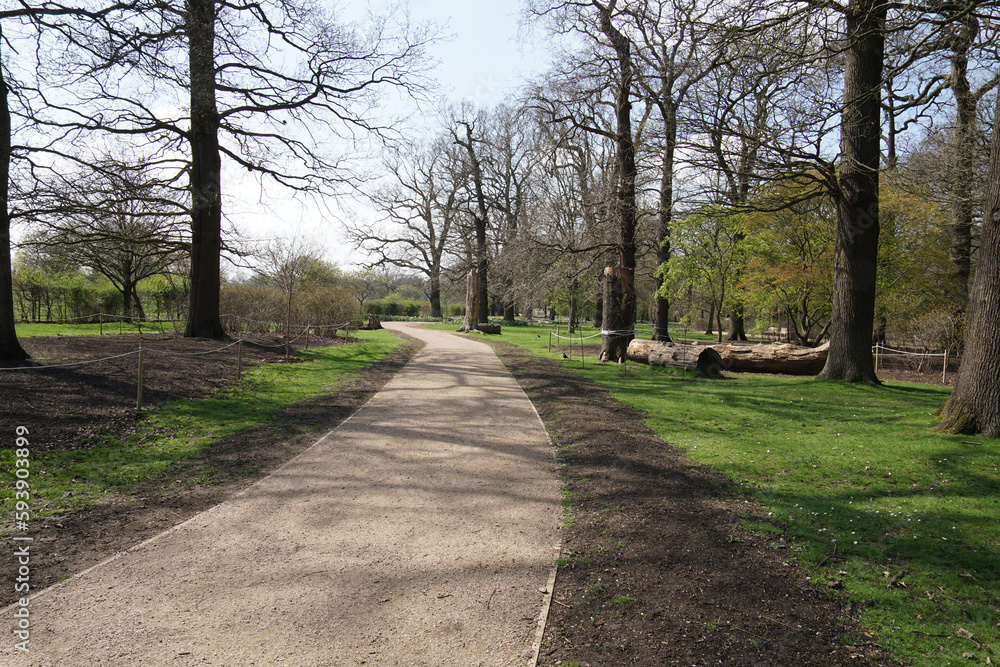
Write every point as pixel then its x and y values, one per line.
pixel 471 302
pixel 661 315
pixel 206 175
pixel 619 298
pixel 619 313
pixel 856 252
pixel 509 312
pixel 974 406
pixel 966 106
pixel 435 296
pixel 10 347
pixel 738 331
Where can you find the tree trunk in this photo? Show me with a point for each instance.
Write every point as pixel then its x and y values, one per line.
pixel 737 331
pixel 619 297
pixel 856 252
pixel 509 312
pixel 974 406
pixel 619 313
pixel 128 288
pixel 435 296
pixel 471 302
pixel 206 175
pixel 10 347
pixel 599 304
pixel 661 321
pixel 966 104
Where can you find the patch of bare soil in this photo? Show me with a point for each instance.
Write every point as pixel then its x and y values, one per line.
pixel 655 570
pixel 67 408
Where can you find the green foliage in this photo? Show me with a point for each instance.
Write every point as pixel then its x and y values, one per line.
pixel 396 305
pixel 788 277
pixel 913 267
pixel 708 257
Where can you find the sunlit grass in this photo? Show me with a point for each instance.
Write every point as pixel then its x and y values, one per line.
pixel 856 484
pixel 178 430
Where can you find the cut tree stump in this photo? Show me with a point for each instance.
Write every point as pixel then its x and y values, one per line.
pixel 471 301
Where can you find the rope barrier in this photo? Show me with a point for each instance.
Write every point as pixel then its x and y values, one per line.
pixel 555 335
pixel 190 354
pixel 893 352
pixel 75 363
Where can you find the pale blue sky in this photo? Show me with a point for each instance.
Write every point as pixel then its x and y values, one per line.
pixel 483 61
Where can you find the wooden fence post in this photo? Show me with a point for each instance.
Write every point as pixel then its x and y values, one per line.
pixel 138 393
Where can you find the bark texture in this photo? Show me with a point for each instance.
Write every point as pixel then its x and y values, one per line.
pixel 619 298
pixel 704 360
pixel 471 302
pixel 10 348
pixel 974 406
pixel 855 257
pixel 206 175
pixel 618 314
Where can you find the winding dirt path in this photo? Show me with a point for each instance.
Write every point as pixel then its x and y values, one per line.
pixel 422 531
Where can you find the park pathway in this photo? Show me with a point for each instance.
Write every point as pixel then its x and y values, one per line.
pixel 422 531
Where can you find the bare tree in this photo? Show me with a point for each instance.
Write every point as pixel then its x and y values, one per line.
pixel 601 23
pixel 420 208
pixel 114 218
pixel 466 133
pixel 974 405
pixel 268 85
pixel 285 264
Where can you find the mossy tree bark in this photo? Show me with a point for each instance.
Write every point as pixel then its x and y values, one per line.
pixel 974 406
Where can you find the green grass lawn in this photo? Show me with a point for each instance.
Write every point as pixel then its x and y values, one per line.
pixel 178 430
pixel 855 486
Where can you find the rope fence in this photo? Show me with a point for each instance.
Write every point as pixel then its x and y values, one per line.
pixel 306 330
pixel 881 352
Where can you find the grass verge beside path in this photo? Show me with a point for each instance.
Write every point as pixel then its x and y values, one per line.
pixel 901 523
pixel 169 434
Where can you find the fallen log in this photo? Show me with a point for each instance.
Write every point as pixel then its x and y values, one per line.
pixel 782 358
pixel 763 358
pixel 704 360
pixel 638 350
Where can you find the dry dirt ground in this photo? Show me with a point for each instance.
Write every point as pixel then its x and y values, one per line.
pixel 654 572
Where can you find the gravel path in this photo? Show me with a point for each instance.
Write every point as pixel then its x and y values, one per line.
pixel 422 531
